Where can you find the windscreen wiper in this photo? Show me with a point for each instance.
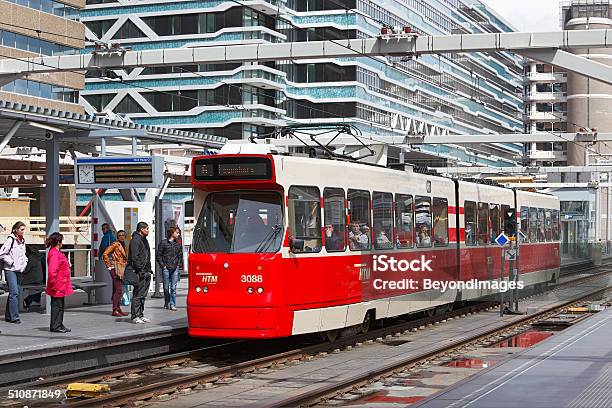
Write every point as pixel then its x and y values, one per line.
pixel 270 237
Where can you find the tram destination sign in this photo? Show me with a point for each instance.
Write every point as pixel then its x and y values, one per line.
pixel 119 172
pixel 232 168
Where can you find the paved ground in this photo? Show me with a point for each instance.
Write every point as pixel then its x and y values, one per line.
pixel 572 369
pixel 266 387
pixel 88 324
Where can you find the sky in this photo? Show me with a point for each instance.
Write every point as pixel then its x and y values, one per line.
pixel 528 15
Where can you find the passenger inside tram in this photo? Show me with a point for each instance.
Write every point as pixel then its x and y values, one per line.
pixel 358 237
pixel 332 241
pixel 382 240
pixel 423 238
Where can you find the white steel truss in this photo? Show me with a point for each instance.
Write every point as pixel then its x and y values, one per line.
pixel 547 47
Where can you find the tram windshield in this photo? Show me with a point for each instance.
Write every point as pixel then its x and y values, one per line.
pixel 239 222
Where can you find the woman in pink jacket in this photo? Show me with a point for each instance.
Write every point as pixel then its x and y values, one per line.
pixel 58 283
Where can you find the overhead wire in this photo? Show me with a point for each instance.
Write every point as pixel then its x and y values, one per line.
pixel 179 95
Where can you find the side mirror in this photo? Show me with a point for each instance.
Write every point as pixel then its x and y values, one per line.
pixel 296 244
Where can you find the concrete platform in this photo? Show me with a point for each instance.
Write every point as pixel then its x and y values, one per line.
pixel 29 350
pixel 571 369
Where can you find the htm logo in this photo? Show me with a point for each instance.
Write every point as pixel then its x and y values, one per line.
pixel 208 277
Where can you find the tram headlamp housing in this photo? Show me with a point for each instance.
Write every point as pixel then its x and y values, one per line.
pixel 198 289
pixel 260 290
pixel 250 289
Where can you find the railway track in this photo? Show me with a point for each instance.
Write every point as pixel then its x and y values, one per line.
pixel 166 385
pixel 326 392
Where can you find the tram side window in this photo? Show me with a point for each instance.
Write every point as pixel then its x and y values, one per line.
pixel 440 221
pixel 524 224
pixel 422 213
pixel 555 225
pixel 383 220
pixel 359 213
pixel 305 217
pixel 502 217
pixel 548 224
pixel 541 225
pixel 483 223
pixel 404 220
pixel 533 224
pixel 494 216
pixel 470 222
pixel 335 219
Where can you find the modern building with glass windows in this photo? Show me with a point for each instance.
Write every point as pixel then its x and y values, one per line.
pixel 446 94
pixel 31 28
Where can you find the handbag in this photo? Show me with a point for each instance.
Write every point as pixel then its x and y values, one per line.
pixel 120 270
pixel 126 297
pixel 130 276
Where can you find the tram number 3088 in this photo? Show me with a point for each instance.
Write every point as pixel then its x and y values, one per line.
pixel 251 278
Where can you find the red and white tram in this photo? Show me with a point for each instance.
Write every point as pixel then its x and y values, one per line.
pixel 291 245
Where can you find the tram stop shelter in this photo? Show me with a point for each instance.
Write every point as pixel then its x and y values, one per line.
pixel 54 131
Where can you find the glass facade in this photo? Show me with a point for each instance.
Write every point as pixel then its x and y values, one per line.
pixel 36 45
pixel 453 94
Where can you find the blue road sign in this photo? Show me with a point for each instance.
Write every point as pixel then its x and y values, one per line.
pixel 502 239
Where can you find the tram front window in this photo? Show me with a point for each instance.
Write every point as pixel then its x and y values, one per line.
pixel 239 222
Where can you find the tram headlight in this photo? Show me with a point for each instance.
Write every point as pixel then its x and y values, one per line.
pixel 205 289
pixel 250 289
pixel 260 290
pixel 198 289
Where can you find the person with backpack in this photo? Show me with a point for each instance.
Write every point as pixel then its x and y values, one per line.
pixel 115 259
pixel 169 255
pixel 13 260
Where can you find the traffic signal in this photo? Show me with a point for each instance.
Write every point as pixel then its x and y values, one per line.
pixel 510 222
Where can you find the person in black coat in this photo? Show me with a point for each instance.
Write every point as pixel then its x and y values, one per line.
pixel 34 274
pixel 332 241
pixel 139 259
pixel 169 255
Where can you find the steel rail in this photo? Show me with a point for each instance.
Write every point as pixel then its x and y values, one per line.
pixel 313 396
pixel 193 380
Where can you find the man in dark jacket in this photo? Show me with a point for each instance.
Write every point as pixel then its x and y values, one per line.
pixel 139 258
pixel 169 255
pixel 33 274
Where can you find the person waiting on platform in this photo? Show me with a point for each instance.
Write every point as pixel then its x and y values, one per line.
pixel 107 239
pixel 116 267
pixel 59 284
pixel 139 267
pixel 13 260
pixel 34 274
pixel 169 255
pixel 332 241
